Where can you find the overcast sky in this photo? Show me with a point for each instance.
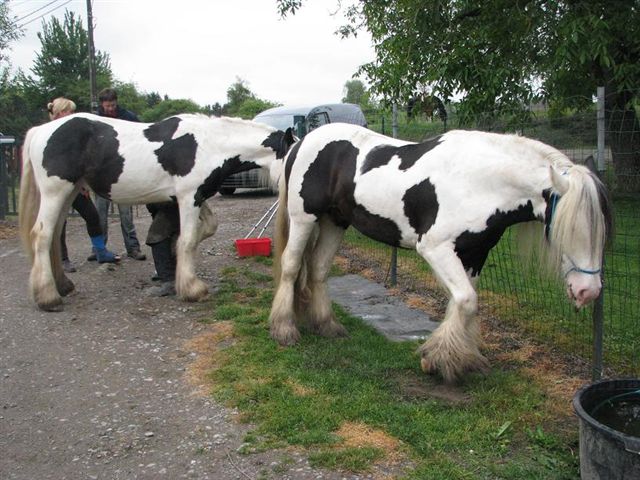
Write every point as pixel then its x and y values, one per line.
pixel 196 48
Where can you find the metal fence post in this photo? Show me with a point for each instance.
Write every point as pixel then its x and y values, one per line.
pixel 598 306
pixel 600 119
pixel 598 334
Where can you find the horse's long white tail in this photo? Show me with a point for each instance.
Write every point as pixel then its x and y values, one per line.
pixel 281 231
pixel 29 202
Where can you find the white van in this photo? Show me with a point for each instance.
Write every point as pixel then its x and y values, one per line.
pixel 303 120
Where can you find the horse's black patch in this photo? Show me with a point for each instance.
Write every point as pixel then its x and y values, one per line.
pixel 328 189
pixel 280 142
pixel 84 148
pixel 408 154
pixel 551 199
pixel 327 186
pixel 421 206
pixel 162 131
pixel 212 183
pixel 177 156
pixel 473 248
pixel 376 227
pixel 378 157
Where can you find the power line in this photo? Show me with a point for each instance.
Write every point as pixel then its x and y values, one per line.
pixel 45 13
pixel 34 11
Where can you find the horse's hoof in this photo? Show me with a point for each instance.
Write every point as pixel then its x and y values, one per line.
pixel 334 330
pixel 66 287
pixel 196 291
pixel 428 367
pixel 479 364
pixel 51 306
pixel 286 339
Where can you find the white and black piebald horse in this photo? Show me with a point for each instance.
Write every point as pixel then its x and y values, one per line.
pixel 450 198
pixel 185 157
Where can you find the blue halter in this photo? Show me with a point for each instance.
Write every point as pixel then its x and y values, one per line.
pixel 575 268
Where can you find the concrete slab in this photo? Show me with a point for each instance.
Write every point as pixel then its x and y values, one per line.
pixel 372 303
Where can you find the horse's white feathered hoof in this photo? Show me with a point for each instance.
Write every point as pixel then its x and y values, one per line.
pixel 53 304
pixel 285 336
pixel 330 329
pixel 428 367
pixel 193 291
pixel 453 367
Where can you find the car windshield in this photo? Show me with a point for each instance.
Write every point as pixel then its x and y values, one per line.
pixel 281 121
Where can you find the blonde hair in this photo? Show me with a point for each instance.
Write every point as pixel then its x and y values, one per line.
pixel 59 107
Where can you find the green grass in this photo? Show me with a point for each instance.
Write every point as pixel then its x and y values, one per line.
pixel 301 396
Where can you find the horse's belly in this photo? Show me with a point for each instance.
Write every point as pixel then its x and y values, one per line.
pixel 139 196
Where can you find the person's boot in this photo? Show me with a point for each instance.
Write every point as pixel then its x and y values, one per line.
pixel 165 264
pixel 102 254
pixel 165 289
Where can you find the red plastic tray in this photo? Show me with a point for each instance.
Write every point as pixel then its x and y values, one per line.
pixel 252 247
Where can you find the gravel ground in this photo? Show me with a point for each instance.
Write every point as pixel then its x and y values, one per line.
pixel 101 391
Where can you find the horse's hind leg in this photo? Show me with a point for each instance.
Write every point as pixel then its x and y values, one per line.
pixel 64 285
pixel 189 287
pixel 282 318
pixel 320 314
pixel 42 280
pixel 453 348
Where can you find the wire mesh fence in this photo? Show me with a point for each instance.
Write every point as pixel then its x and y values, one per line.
pixel 516 291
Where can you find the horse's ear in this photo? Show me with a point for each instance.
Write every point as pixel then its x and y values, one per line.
pixel 590 163
pixel 560 182
pixel 288 139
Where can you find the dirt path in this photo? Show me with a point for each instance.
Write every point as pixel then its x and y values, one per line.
pixel 99 390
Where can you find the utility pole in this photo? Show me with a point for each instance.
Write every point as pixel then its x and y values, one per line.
pixel 92 61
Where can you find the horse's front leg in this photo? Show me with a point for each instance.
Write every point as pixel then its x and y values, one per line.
pixel 453 348
pixel 188 286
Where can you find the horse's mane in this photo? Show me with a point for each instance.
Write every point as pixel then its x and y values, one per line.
pixel 587 196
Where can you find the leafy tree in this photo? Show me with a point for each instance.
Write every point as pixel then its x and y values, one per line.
pixel 242 102
pixel 17 112
pixel 153 99
pixel 62 65
pixel 500 55
pixel 130 98
pixel 167 108
pixel 14 119
pixel 253 106
pixel 356 92
pixel 237 93
pixel 212 110
pixel 9 30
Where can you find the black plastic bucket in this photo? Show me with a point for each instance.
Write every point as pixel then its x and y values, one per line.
pixel 606 453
